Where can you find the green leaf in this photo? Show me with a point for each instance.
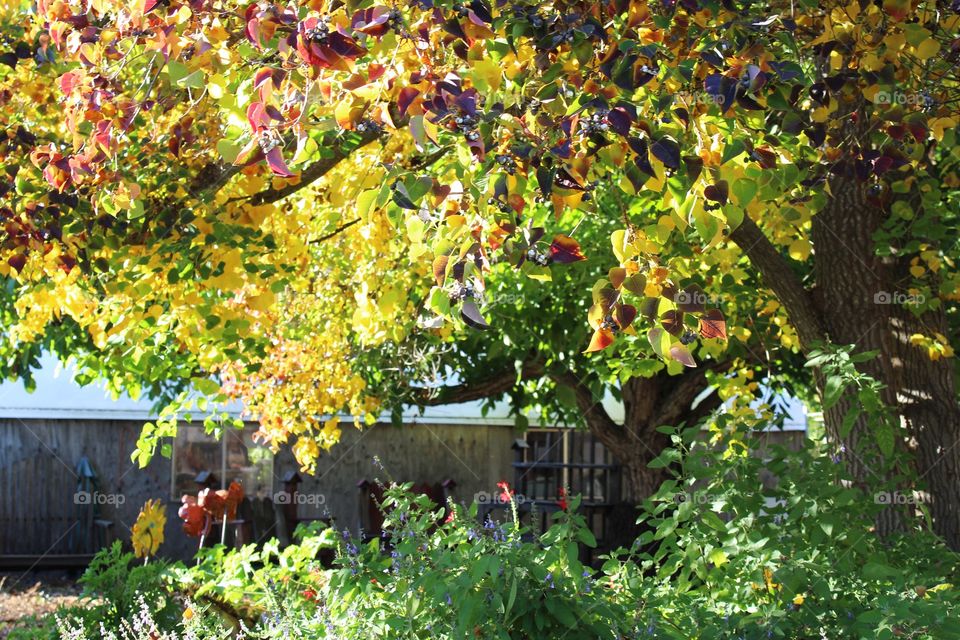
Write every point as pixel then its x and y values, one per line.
pixel 832 391
pixel 744 190
pixel 713 521
pixel 849 419
pixel 228 150
pixel 177 71
pixel 886 440
pixel 510 599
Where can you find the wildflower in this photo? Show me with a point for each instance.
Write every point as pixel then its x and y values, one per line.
pixel 309 594
pixel 549 580
pixel 562 502
pixel 798 600
pixel 506 494
pixel 188 614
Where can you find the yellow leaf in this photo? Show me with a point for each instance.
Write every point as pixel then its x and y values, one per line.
pixel 799 249
pixel 486 75
pixel 927 49
pixel 718 557
pixel 917 271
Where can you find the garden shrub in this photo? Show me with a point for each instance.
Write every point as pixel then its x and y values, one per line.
pixel 725 555
pixel 795 558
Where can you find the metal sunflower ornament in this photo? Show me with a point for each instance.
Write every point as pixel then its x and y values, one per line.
pixel 147 532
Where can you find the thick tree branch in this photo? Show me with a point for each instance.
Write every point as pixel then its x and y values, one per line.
pixel 488 387
pixel 778 275
pixel 340 151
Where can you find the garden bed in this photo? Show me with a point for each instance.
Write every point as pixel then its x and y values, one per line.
pixel 26 599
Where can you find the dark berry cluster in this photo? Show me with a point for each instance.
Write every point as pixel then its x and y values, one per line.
pixel 595 123
pixel 269 140
pixel 688 337
pixel 369 126
pixel 464 292
pixel 609 323
pixel 536 257
pixel 499 204
pixel 319 33
pixel 507 162
pixel 467 124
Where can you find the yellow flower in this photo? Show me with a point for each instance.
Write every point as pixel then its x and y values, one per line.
pixel 798 600
pixel 147 532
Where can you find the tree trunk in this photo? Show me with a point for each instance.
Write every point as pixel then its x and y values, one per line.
pixel 648 403
pixel 857 300
pixel 862 305
pixel 638 481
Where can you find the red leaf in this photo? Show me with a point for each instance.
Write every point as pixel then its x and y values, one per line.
pixel 257 116
pixel 405 98
pixel 276 163
pixel 624 315
pixel 691 299
pixel 712 325
pixel 717 192
pixel 17 261
pixel 602 338
pixel 565 249
pixel 672 322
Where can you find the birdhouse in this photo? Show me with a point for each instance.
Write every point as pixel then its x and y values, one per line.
pixel 206 480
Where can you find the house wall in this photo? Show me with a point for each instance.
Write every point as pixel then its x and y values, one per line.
pixel 38 458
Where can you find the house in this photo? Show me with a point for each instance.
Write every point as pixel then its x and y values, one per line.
pixel 68 485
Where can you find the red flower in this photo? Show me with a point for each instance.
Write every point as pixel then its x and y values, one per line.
pixel 506 494
pixel 309 594
pixel 562 502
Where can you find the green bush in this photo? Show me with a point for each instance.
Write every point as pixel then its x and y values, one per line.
pixel 797 557
pixel 725 554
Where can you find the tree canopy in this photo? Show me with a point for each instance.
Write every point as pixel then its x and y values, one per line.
pixel 277 194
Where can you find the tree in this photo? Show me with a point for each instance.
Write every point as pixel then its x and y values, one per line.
pixel 532 355
pixel 169 225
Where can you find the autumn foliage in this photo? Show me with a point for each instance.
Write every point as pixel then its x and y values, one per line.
pixel 263 190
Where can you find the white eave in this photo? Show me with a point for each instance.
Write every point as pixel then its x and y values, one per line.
pixel 58 397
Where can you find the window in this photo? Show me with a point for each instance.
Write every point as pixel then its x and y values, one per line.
pixel 234 457
pixel 567 458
